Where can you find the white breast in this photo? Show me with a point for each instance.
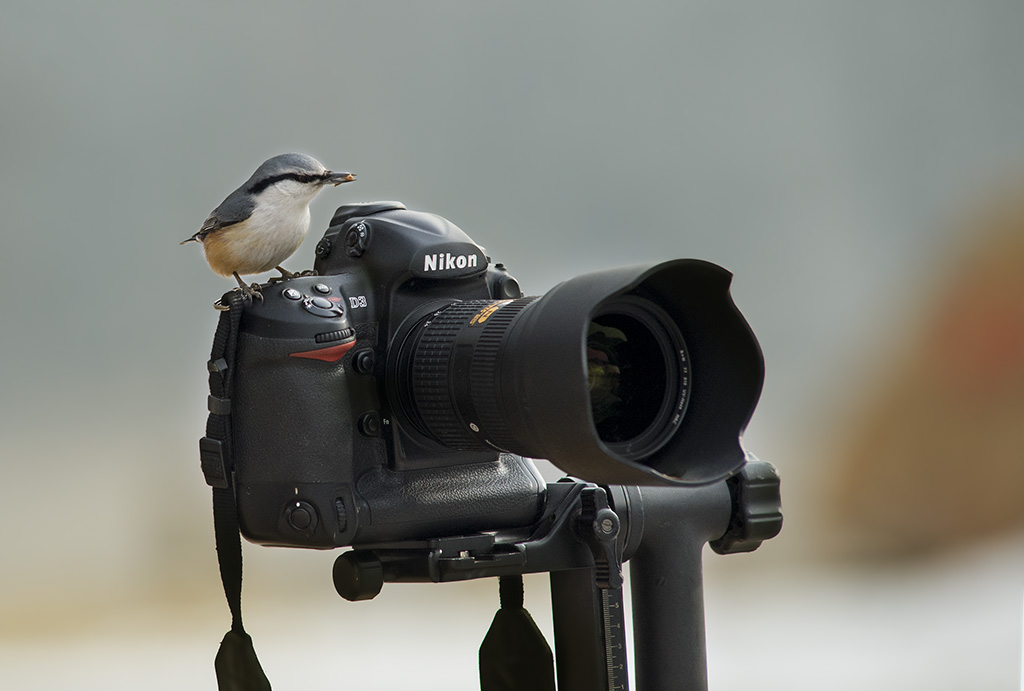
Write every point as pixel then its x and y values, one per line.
pixel 267 238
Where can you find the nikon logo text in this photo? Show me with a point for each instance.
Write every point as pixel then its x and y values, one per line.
pixel 444 261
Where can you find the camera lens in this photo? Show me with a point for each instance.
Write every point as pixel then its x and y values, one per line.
pixel 459 367
pixel 448 379
pixel 638 376
pixel 635 375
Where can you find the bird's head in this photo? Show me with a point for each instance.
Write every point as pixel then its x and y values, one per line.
pixel 294 175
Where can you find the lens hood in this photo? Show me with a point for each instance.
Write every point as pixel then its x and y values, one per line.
pixel 548 395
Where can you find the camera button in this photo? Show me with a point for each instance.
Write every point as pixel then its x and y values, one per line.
pixel 323 307
pixel 292 294
pixel 321 288
pixel 302 516
pixel 363 361
pixel 369 424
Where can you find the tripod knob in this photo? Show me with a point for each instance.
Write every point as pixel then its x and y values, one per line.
pixel 358 575
pixel 756 509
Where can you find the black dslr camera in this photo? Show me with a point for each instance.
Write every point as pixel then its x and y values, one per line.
pixel 392 402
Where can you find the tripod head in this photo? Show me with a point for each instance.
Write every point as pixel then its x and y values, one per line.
pixel 582 538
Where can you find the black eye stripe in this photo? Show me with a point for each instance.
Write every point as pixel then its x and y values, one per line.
pixel 263 184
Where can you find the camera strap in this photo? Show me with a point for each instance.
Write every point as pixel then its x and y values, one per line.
pixel 514 654
pixel 236 664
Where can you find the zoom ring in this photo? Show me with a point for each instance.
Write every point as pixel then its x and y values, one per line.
pixel 432 376
pixel 484 378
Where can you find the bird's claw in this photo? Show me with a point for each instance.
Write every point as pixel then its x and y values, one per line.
pixel 288 275
pixel 251 291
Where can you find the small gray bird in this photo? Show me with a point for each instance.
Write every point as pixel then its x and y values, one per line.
pixel 264 221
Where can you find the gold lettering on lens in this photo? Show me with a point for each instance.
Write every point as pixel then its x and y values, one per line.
pixel 484 314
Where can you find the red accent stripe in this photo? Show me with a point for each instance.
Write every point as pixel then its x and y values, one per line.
pixel 330 354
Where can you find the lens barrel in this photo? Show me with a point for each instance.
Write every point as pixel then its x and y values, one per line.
pixel 641 375
pixel 450 372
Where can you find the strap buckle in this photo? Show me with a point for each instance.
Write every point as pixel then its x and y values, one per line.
pixel 212 462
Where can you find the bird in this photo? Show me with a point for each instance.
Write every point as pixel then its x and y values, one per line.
pixel 259 225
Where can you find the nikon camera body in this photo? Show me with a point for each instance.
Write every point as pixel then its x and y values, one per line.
pixel 400 392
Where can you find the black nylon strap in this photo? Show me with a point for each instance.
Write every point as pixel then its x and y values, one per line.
pixel 229 551
pixel 218 429
pixel 514 655
pixel 510 592
pixel 236 664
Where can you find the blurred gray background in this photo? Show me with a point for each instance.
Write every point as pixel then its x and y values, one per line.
pixel 814 149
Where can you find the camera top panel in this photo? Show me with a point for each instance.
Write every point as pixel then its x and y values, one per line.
pixel 347 212
pixel 391 243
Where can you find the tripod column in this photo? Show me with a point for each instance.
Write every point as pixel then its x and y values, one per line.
pixel 666 578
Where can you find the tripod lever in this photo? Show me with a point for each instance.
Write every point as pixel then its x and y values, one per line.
pixel 596 648
pixel 598 527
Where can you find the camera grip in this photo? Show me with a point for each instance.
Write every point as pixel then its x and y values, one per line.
pixel 453 500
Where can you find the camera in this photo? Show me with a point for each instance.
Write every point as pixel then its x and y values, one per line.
pixel 399 393
pixel 392 399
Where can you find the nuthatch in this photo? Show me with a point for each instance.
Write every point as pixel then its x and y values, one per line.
pixel 264 221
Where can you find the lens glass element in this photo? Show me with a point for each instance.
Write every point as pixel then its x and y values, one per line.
pixel 638 373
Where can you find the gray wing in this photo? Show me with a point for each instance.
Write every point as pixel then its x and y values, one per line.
pixel 236 208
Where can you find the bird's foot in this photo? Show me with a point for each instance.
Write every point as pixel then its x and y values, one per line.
pixel 288 275
pixel 252 291
pixel 248 291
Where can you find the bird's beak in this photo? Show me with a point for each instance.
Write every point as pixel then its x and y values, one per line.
pixel 338 178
